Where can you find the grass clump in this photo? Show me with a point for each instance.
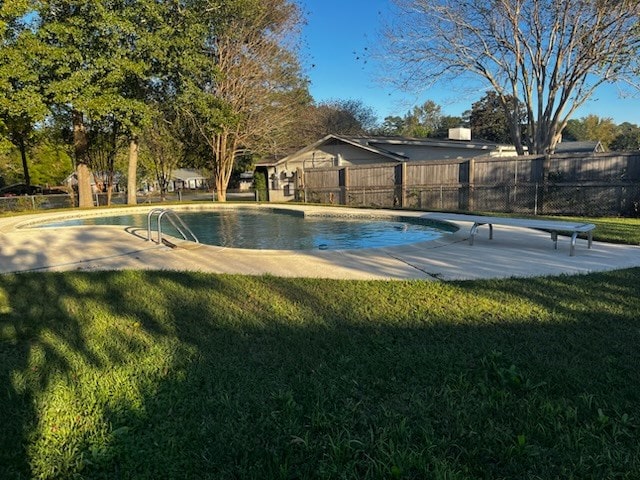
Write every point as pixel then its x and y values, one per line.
pixel 187 375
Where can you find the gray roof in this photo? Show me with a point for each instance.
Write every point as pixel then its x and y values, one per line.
pixel 186 174
pixel 389 147
pixel 579 147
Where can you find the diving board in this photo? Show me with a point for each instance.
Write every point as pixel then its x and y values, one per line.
pixel 551 226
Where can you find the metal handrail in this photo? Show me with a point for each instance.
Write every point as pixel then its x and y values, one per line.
pixel 172 217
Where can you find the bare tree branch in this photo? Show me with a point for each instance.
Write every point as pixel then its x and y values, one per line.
pixel 549 55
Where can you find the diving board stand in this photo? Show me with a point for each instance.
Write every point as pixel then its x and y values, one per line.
pixel 551 226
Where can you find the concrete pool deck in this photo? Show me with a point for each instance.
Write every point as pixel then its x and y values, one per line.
pixel 514 252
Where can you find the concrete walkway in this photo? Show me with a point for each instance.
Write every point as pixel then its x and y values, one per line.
pixel 514 252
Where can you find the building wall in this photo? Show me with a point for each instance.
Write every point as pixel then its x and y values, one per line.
pixel 333 156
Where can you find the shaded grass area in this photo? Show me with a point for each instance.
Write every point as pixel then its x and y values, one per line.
pixel 187 375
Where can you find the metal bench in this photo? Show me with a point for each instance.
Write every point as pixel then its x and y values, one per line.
pixel 551 226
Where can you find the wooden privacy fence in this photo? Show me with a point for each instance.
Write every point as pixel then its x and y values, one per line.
pixel 598 184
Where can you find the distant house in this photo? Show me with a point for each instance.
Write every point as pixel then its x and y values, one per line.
pixel 245 181
pixel 98 181
pixel 187 179
pixel 339 151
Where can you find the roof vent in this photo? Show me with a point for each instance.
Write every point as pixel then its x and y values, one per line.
pixel 460 133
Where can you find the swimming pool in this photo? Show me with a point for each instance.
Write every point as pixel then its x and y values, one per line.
pixel 282 229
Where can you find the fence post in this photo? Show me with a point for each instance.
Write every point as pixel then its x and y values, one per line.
pixel 471 165
pixel 403 185
pixel 546 164
pixel 345 181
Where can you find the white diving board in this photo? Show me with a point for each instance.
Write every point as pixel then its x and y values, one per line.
pixel 551 226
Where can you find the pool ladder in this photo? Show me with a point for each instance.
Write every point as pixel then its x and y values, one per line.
pixel 174 219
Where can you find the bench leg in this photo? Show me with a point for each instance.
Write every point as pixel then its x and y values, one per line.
pixel 589 238
pixel 472 232
pixel 572 249
pixel 554 238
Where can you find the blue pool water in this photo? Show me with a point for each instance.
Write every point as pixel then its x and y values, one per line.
pixel 284 230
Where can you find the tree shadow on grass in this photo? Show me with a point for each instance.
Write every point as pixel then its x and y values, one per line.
pixel 174 375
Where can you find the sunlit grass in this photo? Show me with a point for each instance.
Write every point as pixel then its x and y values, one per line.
pixel 174 375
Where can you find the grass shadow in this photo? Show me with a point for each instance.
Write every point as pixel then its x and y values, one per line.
pixel 188 375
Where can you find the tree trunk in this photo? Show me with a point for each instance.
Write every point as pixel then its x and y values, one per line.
pixel 221 188
pixel 85 195
pixel 25 166
pixel 221 167
pixel 80 146
pixel 132 183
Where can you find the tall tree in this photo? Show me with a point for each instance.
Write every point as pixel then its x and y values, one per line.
pixel 447 122
pixel 421 121
pixel 103 136
pixel 238 91
pixel 392 125
pixel 592 127
pixel 22 104
pixel 488 120
pixel 345 117
pixel 161 141
pixel 627 138
pixel 338 117
pixel 91 52
pixel 549 55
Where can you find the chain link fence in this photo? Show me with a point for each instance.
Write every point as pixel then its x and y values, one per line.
pixel 26 203
pixel 581 199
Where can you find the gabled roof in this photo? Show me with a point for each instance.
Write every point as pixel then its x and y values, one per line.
pixel 579 147
pixel 387 147
pixel 332 139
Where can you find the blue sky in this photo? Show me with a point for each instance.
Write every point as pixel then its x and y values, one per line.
pixel 340 34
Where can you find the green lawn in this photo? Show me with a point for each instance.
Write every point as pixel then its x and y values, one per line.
pixel 149 375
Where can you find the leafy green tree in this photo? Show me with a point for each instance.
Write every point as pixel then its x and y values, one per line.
pixel 103 139
pixel 21 101
pixel 51 163
pixel 447 122
pixel 94 54
pixel 393 125
pixel 421 121
pixel 592 128
pixel 627 138
pixel 489 121
pixel 574 131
